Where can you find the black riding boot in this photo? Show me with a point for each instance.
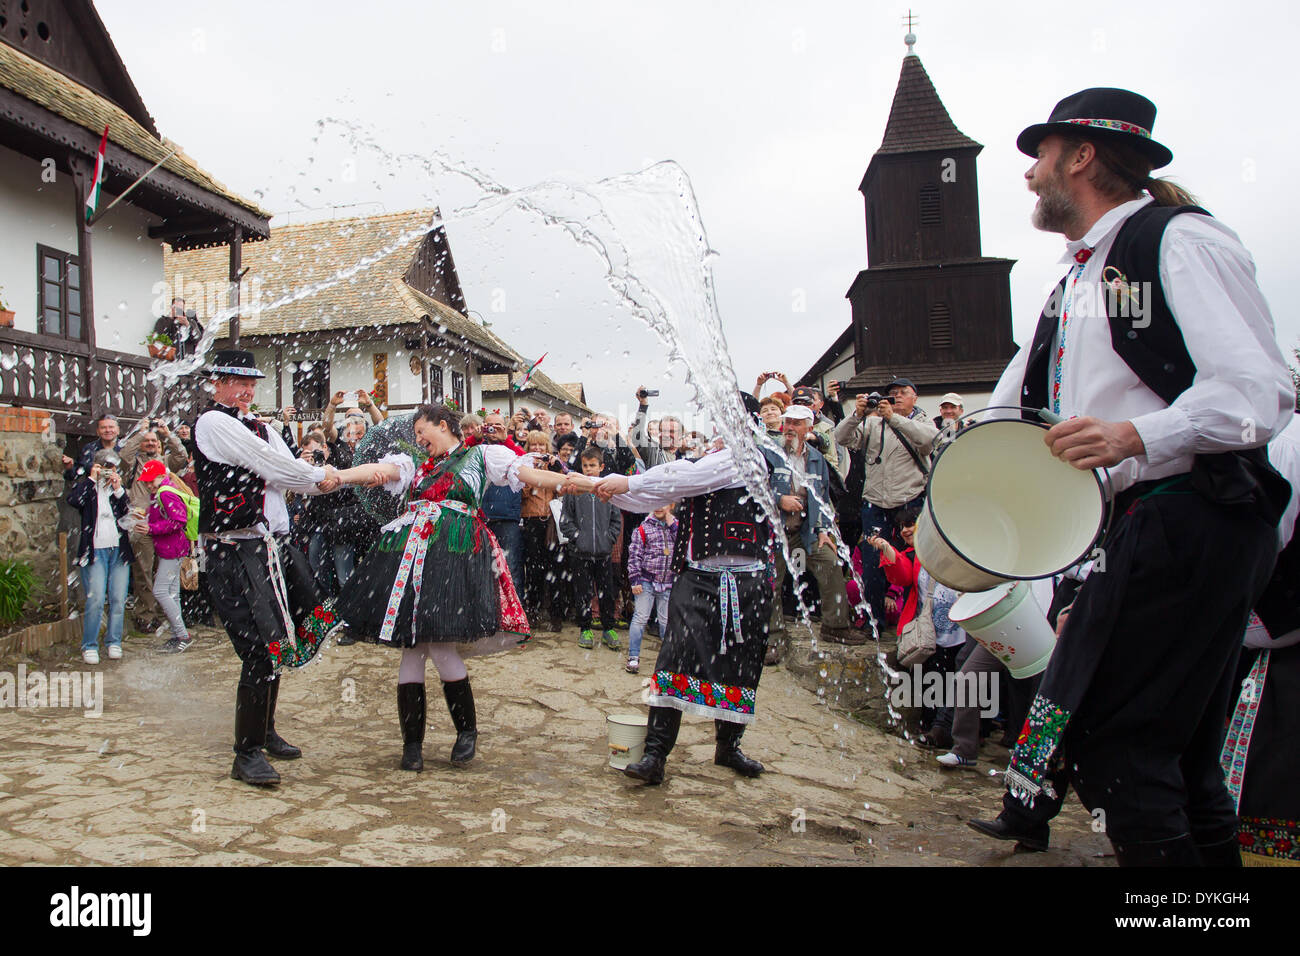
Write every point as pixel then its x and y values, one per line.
pixel 411 715
pixel 252 705
pixel 660 735
pixel 276 745
pixel 460 703
pixel 727 753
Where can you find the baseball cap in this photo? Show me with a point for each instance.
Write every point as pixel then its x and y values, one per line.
pixel 901 382
pixel 803 395
pixel 952 398
pixel 798 413
pixel 152 471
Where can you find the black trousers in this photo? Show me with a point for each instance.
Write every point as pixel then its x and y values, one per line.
pixel 593 573
pixel 1180 577
pixel 247 605
pixel 541 576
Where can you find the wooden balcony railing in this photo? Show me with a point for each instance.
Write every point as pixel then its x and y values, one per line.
pixel 63 377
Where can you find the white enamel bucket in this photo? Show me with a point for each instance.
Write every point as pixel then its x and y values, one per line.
pixel 1010 624
pixel 626 738
pixel 1000 507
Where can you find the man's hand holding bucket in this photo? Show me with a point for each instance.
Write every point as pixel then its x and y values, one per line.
pixel 1088 443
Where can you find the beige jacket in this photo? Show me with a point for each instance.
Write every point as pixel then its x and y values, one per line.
pixel 895 480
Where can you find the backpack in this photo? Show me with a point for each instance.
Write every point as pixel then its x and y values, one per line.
pixel 191 509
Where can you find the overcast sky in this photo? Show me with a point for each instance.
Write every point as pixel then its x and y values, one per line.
pixel 774 110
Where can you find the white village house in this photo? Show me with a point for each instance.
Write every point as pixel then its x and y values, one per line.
pixel 364 303
pixel 83 297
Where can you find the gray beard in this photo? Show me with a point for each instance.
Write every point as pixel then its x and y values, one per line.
pixel 1054 212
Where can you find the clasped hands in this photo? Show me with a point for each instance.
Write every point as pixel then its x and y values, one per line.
pixel 331 480
pixel 604 488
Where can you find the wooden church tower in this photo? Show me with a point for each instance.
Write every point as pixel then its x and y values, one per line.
pixel 929 306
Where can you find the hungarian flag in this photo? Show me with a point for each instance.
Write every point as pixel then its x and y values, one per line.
pixel 523 382
pixel 96 184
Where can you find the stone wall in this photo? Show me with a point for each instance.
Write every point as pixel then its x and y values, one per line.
pixel 31 485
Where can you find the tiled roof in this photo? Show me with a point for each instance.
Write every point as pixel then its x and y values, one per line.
pixel 65 97
pixel 372 253
pixel 950 374
pixel 497 385
pixel 576 390
pixel 917 120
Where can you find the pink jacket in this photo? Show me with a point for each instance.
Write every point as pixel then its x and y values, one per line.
pixel 167 525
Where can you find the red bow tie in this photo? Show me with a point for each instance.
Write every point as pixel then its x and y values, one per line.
pixel 1083 255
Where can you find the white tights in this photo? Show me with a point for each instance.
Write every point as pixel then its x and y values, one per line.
pixel 444 656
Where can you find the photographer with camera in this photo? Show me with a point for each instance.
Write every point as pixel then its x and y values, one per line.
pixel 104 555
pixel 668 445
pixel 896 438
pixel 182 327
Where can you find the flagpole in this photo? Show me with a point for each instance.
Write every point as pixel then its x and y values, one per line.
pixel 100 215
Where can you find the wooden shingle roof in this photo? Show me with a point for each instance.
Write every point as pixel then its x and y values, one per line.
pixel 918 121
pixel 78 104
pixel 339 274
pixel 497 385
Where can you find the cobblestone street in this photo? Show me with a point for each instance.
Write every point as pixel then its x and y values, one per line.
pixel 148 781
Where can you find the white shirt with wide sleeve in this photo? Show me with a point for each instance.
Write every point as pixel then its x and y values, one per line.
pixel 1242 395
pixel 228 441
pixel 500 464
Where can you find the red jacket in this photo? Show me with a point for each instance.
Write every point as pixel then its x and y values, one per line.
pixel 904 572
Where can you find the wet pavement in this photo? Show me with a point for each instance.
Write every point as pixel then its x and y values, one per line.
pixel 148 781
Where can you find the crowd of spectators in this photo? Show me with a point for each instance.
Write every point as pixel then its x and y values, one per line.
pixel 849 484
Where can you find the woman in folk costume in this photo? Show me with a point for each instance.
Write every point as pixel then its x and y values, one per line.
pixel 1259 755
pixel 719 610
pixel 435 584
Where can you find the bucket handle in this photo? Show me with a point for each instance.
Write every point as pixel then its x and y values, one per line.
pixel 1046 419
pixel 618 749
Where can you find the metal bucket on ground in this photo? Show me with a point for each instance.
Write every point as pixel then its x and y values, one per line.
pixel 1000 507
pixel 626 738
pixel 1010 624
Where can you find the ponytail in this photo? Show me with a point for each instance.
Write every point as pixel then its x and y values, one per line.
pixel 1166 192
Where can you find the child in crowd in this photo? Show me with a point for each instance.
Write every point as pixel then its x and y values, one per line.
pixel 650 571
pixel 167 518
pixel 592 526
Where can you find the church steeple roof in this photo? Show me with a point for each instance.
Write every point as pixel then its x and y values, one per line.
pixel 918 121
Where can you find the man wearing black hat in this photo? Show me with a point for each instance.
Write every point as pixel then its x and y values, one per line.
pixel 896 438
pixel 262 586
pixel 1158 350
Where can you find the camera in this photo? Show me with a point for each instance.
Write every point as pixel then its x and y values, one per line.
pixel 647 393
pixel 318 457
pixel 589 424
pixel 874 400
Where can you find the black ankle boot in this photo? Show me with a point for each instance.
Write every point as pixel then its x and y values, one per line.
pixel 1031 838
pixel 727 752
pixel 276 745
pixel 252 706
pixel 411 715
pixel 661 734
pixel 460 703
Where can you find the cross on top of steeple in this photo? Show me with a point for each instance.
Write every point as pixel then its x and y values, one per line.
pixel 910 39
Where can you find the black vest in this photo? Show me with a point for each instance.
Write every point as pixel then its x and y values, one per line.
pixel 230 497
pixel 1158 356
pixel 726 523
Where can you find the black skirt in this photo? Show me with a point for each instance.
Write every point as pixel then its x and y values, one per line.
pixel 705 667
pixel 459 597
pixel 1269 812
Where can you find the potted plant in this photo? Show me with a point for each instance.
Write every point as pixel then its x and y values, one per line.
pixel 160 346
pixel 6 313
